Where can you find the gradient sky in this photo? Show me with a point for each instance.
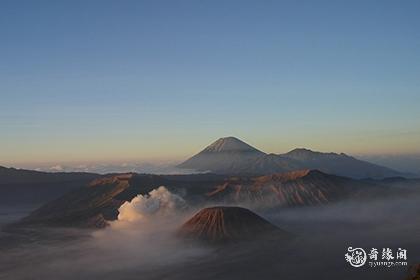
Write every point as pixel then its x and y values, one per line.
pixel 142 80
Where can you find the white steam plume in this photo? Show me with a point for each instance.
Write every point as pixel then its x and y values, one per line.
pixel 159 202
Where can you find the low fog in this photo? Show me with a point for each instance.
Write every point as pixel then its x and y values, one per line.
pixel 141 244
pixel 168 168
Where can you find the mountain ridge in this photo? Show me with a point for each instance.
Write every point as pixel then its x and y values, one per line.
pixel 229 155
pixel 33 187
pixel 96 203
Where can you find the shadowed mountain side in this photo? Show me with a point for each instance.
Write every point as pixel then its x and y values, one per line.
pixel 226 224
pixel 23 176
pixel 20 186
pixel 89 206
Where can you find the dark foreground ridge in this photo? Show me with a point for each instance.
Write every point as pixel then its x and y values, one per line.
pixel 224 224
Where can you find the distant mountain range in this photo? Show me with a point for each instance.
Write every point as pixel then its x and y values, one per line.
pixel 232 156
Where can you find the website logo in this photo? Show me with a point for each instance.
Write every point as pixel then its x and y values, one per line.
pixel 386 257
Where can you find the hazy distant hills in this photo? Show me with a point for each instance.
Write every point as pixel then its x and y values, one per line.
pixel 232 156
pixel 23 176
pixel 28 186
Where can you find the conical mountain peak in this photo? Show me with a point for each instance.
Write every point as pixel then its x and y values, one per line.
pixel 224 224
pixel 229 155
pixel 229 144
pixel 225 156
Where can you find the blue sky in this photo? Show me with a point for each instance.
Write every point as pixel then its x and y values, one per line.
pixel 142 80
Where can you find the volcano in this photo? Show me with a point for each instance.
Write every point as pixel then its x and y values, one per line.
pixel 224 224
pixel 224 156
pixel 231 156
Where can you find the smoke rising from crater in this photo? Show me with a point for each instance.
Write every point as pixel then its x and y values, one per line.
pixel 144 230
pixel 141 244
pixel 160 202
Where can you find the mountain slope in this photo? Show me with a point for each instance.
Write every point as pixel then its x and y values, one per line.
pixel 224 156
pixel 226 224
pixel 99 201
pixel 338 164
pixel 87 206
pixel 20 186
pixel 232 156
pixel 291 189
pixel 23 176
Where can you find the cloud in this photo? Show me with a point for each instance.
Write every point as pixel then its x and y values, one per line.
pixel 56 168
pixel 105 168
